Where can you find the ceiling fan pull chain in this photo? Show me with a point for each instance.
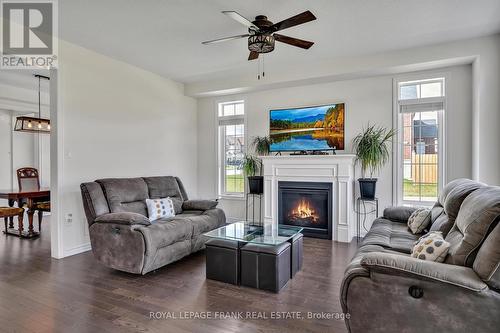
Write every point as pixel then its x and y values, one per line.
pixel 263 72
pixel 258 69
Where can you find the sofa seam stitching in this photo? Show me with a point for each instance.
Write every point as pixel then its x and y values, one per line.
pixel 368 263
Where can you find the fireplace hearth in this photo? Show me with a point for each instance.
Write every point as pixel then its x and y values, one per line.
pixel 308 205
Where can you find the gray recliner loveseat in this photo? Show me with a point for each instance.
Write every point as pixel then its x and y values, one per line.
pixel 123 238
pixel 384 289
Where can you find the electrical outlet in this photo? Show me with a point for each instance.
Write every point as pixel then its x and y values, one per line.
pixel 69 218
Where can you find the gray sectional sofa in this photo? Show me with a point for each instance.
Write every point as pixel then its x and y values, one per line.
pixel 386 290
pixel 122 236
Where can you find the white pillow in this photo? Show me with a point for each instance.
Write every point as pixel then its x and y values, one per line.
pixel 419 220
pixel 431 247
pixel 160 208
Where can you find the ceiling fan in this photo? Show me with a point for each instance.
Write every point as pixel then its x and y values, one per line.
pixel 262 32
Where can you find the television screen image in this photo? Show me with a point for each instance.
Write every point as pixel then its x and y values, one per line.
pixel 309 128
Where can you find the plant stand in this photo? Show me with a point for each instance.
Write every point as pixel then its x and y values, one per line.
pixel 259 198
pixel 360 201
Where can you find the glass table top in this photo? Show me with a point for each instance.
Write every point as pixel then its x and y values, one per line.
pixel 244 232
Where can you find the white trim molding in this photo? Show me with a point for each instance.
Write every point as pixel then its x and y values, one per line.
pixel 77 250
pixel 398 104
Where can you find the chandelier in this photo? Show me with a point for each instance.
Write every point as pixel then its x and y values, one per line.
pixel 34 124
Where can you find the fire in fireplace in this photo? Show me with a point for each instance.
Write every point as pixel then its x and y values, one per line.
pixel 303 213
pixel 308 205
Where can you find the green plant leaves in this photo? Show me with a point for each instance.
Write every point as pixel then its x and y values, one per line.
pixel 372 148
pixel 251 165
pixel 261 145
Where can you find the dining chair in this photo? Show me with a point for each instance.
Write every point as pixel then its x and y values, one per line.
pixel 29 180
pixel 7 212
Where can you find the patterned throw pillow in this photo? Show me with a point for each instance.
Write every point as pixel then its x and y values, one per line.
pixel 160 208
pixel 419 220
pixel 431 247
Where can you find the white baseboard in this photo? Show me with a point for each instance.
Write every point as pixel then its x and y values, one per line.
pixel 342 234
pixel 77 250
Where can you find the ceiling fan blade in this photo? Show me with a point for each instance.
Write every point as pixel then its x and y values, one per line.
pixel 301 18
pixel 293 41
pixel 253 55
pixel 224 39
pixel 237 17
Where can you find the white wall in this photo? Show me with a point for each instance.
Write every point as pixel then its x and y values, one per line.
pixel 116 120
pixel 484 52
pixel 367 100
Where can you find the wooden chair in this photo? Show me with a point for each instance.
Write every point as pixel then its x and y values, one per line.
pixel 7 212
pixel 29 180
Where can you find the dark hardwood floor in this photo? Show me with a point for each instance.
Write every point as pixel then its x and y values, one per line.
pixel 77 294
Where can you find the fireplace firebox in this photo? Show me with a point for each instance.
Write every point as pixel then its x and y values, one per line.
pixel 308 205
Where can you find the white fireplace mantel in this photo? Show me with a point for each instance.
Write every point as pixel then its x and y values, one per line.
pixel 335 169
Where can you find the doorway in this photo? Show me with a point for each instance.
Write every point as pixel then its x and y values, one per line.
pixel 25 94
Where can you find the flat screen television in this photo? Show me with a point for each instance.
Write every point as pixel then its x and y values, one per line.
pixel 307 129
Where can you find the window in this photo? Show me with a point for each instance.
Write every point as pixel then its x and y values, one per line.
pixel 420 113
pixel 231 123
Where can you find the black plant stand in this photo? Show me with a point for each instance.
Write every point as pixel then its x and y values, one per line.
pixel 360 201
pixel 252 221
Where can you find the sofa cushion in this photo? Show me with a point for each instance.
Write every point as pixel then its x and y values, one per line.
pixel 450 199
pixel 419 220
pixel 94 201
pixel 125 194
pixel 166 232
pixel 457 195
pixel 487 263
pixel 209 220
pixel 479 211
pixel 165 186
pixel 199 204
pixel 126 218
pixel 398 213
pixel 188 213
pixel 431 247
pixel 391 235
pixel 160 208
pixel 355 263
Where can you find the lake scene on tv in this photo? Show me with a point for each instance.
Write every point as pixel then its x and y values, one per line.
pixel 309 128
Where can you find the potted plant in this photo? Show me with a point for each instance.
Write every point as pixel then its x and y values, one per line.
pixel 261 145
pixel 252 165
pixel 372 152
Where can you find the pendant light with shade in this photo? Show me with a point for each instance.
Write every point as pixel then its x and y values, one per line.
pixel 34 124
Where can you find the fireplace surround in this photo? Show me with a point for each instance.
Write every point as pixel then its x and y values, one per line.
pixel 307 205
pixel 335 170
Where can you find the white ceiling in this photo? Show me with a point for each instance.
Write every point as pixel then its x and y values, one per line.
pixel 165 36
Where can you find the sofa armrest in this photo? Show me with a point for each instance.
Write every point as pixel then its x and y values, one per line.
pixel 399 213
pixel 199 204
pixel 390 263
pixel 123 218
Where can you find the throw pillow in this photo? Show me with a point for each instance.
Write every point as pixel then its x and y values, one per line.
pixel 160 208
pixel 419 220
pixel 431 247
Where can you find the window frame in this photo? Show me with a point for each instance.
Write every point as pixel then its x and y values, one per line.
pixel 220 144
pixel 398 165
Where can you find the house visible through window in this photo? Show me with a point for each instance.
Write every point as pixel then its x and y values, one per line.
pixel 421 106
pixel 231 148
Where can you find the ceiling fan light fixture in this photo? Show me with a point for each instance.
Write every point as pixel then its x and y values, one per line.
pixel 262 43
